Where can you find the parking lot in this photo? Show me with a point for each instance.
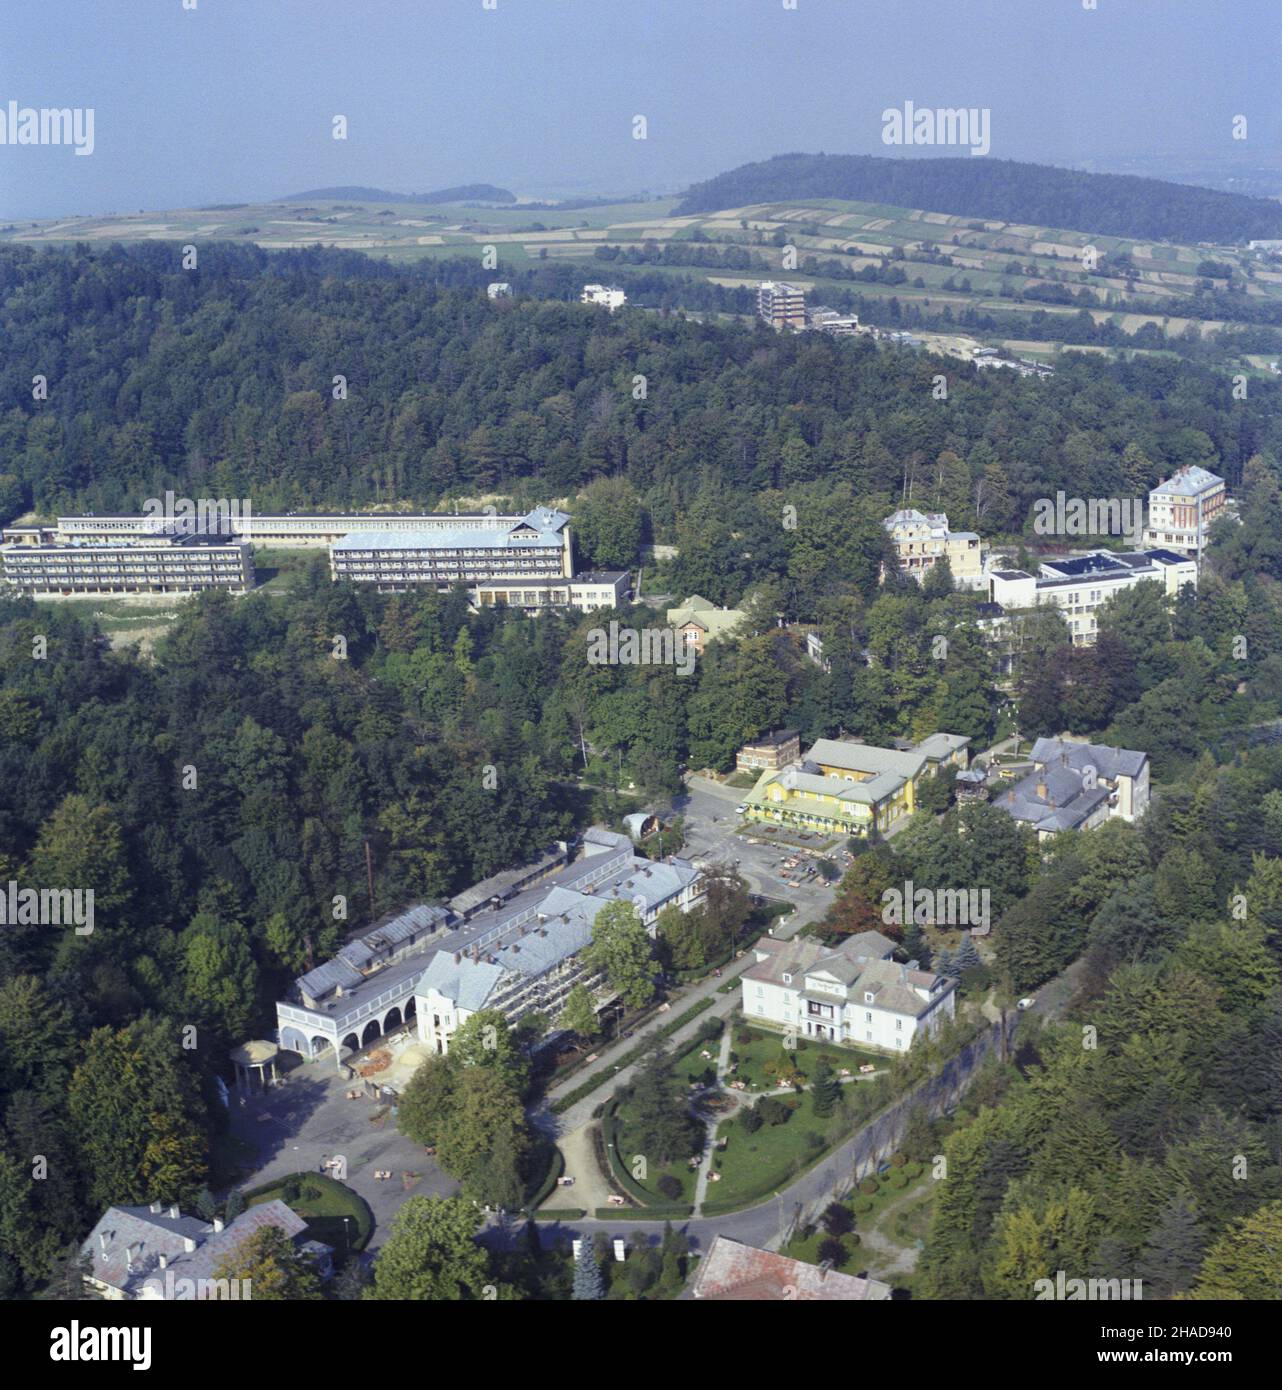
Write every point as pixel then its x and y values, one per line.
pixel 711 822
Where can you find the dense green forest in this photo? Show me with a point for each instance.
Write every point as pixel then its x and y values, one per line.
pixel 220 382
pixel 1105 204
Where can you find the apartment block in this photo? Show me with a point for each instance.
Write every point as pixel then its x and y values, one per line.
pixel 41 565
pixel 922 539
pixel 781 305
pixel 1078 586
pixel 772 751
pixel 535 547
pixel 1182 510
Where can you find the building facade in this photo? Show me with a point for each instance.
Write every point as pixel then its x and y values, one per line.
pixel 1182 510
pixel 532 954
pixel 922 539
pixel 842 788
pixel 854 994
pixel 1078 586
pixel 533 547
pixel 781 305
pixel 771 751
pixel 157 564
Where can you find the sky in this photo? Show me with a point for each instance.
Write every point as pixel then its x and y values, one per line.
pixel 234 100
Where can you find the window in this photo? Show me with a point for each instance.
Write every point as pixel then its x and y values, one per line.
pixel 868 1018
pixel 760 992
pixel 761 1008
pixel 787 979
pixel 899 1024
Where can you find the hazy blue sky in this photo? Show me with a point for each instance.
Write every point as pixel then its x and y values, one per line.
pixel 233 101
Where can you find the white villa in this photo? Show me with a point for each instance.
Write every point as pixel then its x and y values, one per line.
pixel 852 994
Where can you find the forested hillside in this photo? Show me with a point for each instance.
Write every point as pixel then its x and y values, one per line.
pixel 220 382
pixel 1108 204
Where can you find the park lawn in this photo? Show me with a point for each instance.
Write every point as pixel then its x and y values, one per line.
pixel 753 1165
pixel 679 1168
pixel 767 1046
pixel 324 1204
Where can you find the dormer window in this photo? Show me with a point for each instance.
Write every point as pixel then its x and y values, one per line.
pixel 868 997
pixel 787 979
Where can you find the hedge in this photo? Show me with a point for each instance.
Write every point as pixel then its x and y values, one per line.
pixel 555 1167
pixel 643 1213
pixel 559 1214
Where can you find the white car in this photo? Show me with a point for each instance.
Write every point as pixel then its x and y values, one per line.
pixel 1026 1003
pixel 741 810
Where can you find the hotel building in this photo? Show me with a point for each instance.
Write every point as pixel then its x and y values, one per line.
pixel 1182 510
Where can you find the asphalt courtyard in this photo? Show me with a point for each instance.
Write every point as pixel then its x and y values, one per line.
pixel 307 1120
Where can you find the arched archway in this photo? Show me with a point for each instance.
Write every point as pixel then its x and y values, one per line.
pixel 320 1046
pixel 352 1043
pixel 292 1040
pixel 410 1010
pixel 369 1032
pixel 393 1020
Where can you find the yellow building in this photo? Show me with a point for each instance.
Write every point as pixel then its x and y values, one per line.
pixel 842 788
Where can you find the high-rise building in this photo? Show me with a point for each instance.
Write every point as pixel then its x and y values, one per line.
pixel 781 305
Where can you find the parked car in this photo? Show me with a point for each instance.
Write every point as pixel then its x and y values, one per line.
pixel 1026 1003
pixel 741 810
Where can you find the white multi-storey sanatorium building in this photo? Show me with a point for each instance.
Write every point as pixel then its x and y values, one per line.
pixel 512 943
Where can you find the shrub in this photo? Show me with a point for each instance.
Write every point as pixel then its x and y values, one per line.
pixel 838 1219
pixel 864 1205
pixel 733 1058
pixel 669 1187
pixel 814 1142
pixel 870 1187
pixel 751 1121
pixel 830 1248
pixel 743 1037
pixel 773 1111
pixel 897 1160
pixel 899 1180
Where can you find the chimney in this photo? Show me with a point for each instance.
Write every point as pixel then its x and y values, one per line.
pixel 102 1241
pixel 218 1225
pixel 131 1254
pixel 458 956
pixel 1041 789
pixel 164 1260
pixel 174 1213
pixel 156 1208
pixel 189 1245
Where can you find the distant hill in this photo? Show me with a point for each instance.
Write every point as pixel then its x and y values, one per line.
pixel 463 193
pixel 1108 204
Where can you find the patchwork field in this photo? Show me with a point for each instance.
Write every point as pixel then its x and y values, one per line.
pixel 920 258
